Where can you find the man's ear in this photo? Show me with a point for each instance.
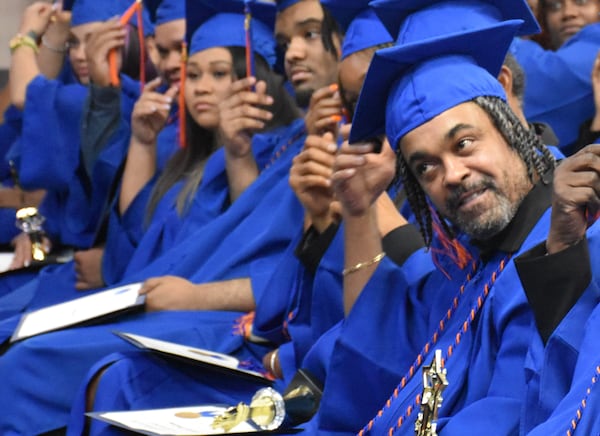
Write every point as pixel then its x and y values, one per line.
pixel 505 78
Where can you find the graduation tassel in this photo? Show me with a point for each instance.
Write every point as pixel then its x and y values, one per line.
pixel 248 35
pixel 112 55
pixel 183 73
pixel 141 39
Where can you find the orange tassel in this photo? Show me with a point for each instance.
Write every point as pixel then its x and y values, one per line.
pixel 243 325
pixel 112 55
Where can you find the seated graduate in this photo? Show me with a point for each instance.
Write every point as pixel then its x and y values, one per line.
pixel 50 56
pixel 209 172
pixel 559 86
pixel 75 197
pixel 457 139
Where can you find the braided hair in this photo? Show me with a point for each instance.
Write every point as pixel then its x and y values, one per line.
pixel 536 156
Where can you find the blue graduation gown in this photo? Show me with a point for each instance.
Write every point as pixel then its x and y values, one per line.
pixel 558 87
pixel 390 324
pixel 56 284
pixel 132 244
pixel 246 241
pixel 578 408
pixel 282 317
pixel 10 130
pixel 560 371
pixel 124 232
pixel 49 158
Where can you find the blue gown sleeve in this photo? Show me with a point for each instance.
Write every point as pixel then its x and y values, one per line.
pixel 123 235
pixel 10 131
pixel 49 147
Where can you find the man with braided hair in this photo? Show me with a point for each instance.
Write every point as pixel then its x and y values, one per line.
pixel 474 173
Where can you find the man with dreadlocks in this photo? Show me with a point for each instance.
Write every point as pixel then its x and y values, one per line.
pixel 472 173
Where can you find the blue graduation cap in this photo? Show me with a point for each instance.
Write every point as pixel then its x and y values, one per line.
pixel 284 4
pixel 167 10
pixel 361 26
pixel 212 23
pixel 89 11
pixel 448 16
pixel 409 84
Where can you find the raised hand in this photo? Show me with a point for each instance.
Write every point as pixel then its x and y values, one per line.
pixel 107 36
pixel 575 198
pixel 360 175
pixel 324 111
pixel 36 18
pixel 151 112
pixel 310 178
pixel 241 114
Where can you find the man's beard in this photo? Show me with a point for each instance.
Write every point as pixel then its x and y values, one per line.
pixel 303 97
pixel 484 221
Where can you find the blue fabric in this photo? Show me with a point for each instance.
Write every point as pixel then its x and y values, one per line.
pixel 207 19
pixel 365 31
pixel 285 318
pixel 169 10
pixel 559 373
pixel 10 130
pixel 74 210
pixel 69 354
pixel 74 202
pixel 89 11
pixel 139 245
pixel 156 383
pixel 486 366
pixel 284 4
pixel 453 16
pixel 559 88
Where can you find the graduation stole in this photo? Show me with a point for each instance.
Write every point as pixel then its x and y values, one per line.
pixel 466 325
pixel 579 412
pixel 277 154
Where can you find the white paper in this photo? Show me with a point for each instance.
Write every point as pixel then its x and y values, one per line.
pixel 192 353
pixel 78 310
pixel 5 261
pixel 179 421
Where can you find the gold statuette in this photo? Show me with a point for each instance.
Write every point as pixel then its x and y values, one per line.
pixel 434 383
pixel 266 410
pixel 30 221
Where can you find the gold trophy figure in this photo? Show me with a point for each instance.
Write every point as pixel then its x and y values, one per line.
pixel 268 408
pixel 434 383
pixel 30 221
